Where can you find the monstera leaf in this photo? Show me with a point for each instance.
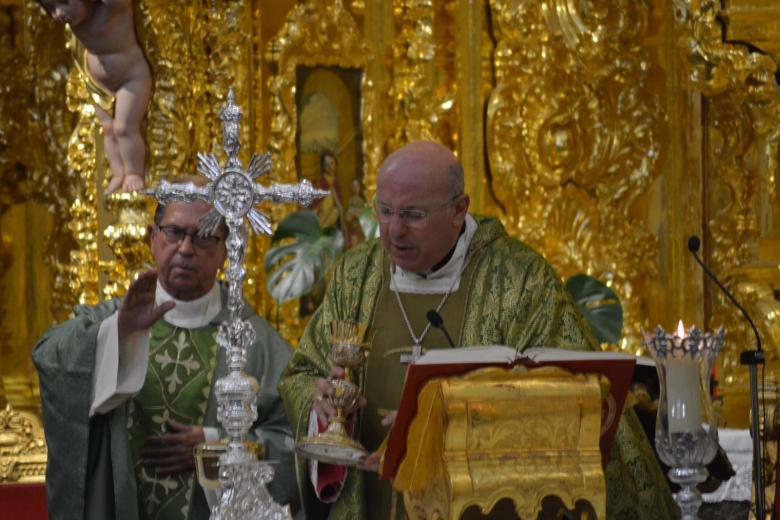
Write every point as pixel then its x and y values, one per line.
pixel 599 305
pixel 298 263
pixel 369 223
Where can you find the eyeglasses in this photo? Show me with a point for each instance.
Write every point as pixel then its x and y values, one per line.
pixel 412 217
pixel 175 235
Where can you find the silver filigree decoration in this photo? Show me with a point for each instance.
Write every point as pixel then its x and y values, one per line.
pixel 234 194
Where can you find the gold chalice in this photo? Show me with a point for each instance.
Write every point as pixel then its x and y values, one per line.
pixel 334 445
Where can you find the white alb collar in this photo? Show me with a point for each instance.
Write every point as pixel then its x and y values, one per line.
pixel 443 280
pixel 191 314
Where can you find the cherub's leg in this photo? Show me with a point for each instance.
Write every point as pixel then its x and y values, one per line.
pixel 112 151
pixel 132 99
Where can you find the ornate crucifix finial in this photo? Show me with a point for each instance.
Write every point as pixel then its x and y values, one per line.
pixel 233 192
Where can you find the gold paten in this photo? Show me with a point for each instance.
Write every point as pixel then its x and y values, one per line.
pixel 504 433
pixel 22 447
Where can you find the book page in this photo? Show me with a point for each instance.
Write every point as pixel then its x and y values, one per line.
pixel 560 354
pixel 486 354
pixel 504 354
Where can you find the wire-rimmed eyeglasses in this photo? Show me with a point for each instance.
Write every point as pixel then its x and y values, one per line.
pixel 412 217
pixel 175 235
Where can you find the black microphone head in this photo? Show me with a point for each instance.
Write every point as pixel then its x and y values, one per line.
pixel 693 243
pixel 434 318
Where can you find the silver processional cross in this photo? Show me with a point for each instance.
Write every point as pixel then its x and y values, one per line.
pixel 234 195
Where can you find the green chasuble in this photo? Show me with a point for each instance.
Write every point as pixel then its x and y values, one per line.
pixel 177 387
pixel 508 295
pixel 91 470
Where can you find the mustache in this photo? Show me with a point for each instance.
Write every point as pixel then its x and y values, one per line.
pixel 182 265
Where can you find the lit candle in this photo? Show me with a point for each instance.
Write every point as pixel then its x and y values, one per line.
pixel 682 386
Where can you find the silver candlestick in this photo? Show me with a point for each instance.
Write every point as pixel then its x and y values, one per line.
pixel 686 433
pixel 234 195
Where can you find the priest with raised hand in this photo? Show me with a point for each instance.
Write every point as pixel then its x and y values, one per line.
pixel 488 288
pixel 127 385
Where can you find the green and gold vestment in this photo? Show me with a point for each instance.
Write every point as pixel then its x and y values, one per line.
pixel 90 473
pixel 508 295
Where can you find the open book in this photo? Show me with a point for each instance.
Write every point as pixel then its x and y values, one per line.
pixel 502 354
pixel 617 367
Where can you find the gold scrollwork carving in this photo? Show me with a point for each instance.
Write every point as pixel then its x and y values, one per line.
pixel 743 107
pixel 423 91
pixel 462 447
pixel 22 447
pixel 102 248
pixel 574 137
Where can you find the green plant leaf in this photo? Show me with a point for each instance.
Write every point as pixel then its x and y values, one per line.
pixel 599 305
pixel 368 223
pixel 298 263
pixel 294 225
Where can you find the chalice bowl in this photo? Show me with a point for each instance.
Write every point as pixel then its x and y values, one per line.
pixel 335 445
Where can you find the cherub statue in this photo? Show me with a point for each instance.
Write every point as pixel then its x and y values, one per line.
pixel 113 61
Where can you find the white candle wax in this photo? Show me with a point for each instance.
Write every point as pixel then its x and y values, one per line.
pixel 682 387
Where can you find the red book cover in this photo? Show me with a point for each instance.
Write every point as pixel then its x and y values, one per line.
pixel 617 367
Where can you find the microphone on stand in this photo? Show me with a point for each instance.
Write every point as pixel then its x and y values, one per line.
pixel 749 358
pixel 435 319
pixel 693 246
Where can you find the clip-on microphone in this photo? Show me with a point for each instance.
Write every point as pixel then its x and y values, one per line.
pixel 749 358
pixel 435 319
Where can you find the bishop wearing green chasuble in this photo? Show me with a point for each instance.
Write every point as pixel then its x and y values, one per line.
pixel 489 289
pixel 126 386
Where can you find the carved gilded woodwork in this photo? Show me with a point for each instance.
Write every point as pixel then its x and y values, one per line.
pixel 769 424
pixel 423 91
pixel 189 79
pixel 573 137
pixel 22 447
pixel 34 126
pixel 82 160
pixel 91 246
pixel 754 21
pixel 480 438
pixel 743 108
pixel 315 34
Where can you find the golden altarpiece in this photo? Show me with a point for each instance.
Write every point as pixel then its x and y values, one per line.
pixel 601 132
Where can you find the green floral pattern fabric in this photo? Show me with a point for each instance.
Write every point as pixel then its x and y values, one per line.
pixel 177 386
pixel 514 298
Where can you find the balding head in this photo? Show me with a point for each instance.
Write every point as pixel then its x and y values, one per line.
pixel 426 177
pixel 427 158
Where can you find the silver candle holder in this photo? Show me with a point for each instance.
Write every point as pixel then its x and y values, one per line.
pixel 234 195
pixel 686 433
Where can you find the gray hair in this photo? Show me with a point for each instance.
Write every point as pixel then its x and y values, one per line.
pixel 197 180
pixel 455 171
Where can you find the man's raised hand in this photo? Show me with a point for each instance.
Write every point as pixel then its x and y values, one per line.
pixel 138 311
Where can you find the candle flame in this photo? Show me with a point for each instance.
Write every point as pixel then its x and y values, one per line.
pixel 680 329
